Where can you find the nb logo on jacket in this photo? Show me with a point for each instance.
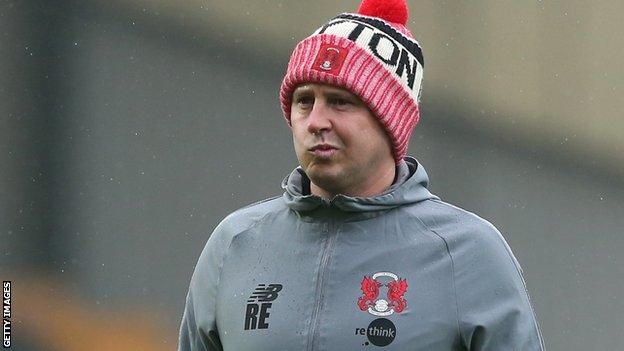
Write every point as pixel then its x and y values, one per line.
pixel 258 306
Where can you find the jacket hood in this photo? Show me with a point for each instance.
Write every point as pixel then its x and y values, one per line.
pixel 410 187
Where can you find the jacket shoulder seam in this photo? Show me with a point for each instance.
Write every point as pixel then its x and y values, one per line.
pixel 499 237
pixel 508 252
pixel 448 251
pixel 227 250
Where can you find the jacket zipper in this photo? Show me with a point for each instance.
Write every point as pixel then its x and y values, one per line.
pixel 320 295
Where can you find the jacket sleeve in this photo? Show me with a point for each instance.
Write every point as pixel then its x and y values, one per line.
pixel 198 330
pixel 191 337
pixel 493 304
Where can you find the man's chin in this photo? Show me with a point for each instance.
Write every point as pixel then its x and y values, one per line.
pixel 323 169
pixel 325 176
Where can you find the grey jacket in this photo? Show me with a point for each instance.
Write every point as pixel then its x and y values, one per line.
pixel 400 271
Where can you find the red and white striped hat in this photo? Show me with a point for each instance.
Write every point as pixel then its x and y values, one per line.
pixel 372 54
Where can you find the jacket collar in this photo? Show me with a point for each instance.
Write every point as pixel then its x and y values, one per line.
pixel 410 187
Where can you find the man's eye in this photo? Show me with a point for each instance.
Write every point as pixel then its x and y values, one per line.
pixel 339 101
pixel 305 100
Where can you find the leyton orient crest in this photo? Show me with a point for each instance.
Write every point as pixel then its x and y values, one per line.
pixel 371 288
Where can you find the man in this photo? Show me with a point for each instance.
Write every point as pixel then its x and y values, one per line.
pixel 357 254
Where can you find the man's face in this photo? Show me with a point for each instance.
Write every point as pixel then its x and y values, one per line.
pixel 340 144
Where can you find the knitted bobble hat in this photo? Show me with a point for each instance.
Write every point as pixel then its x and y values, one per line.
pixel 370 53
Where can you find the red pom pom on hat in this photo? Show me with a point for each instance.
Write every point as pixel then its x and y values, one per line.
pixel 390 10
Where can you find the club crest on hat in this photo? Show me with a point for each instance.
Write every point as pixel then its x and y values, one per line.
pixel 329 59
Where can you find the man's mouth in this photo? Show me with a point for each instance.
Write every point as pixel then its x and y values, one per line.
pixel 322 147
pixel 323 150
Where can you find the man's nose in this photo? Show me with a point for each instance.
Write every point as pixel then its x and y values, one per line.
pixel 318 119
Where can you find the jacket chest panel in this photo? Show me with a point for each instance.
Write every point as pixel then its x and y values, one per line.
pixel 398 296
pixel 301 291
pixel 266 291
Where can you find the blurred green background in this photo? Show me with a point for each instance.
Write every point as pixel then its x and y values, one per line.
pixel 129 129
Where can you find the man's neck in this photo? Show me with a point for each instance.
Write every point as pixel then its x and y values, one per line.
pixel 376 185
